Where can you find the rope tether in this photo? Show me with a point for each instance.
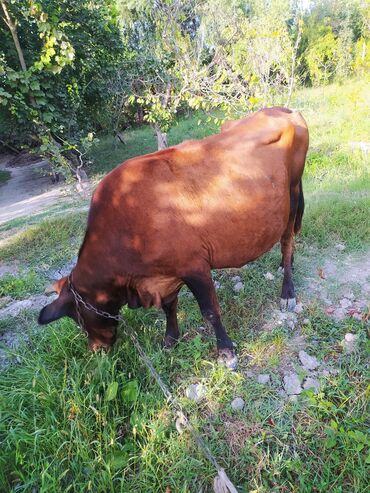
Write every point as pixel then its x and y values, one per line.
pixel 221 483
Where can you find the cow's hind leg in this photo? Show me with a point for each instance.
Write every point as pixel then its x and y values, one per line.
pixel 172 329
pixel 202 287
pixel 288 299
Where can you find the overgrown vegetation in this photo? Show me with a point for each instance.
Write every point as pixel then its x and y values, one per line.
pixel 75 421
pixel 71 69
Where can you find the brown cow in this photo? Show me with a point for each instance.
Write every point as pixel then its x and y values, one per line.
pixel 166 219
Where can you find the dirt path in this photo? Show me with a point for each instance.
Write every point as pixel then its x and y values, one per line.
pixel 28 191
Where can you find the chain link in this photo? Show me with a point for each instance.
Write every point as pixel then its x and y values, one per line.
pixel 80 301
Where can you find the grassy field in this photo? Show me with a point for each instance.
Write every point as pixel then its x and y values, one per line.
pixel 72 421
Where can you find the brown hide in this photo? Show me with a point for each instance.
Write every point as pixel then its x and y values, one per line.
pixel 218 202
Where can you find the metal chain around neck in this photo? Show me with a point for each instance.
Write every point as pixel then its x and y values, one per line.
pixel 80 301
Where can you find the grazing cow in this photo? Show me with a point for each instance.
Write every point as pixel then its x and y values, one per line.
pixel 162 220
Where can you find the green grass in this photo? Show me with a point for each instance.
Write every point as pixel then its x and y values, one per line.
pixel 21 285
pixel 48 243
pixel 73 421
pixel 4 176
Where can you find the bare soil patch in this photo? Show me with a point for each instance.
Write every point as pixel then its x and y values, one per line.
pixel 29 189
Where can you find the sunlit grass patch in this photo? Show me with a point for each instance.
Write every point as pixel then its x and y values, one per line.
pixel 333 219
pixel 48 243
pixel 21 285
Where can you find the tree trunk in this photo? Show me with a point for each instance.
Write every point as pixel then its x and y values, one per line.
pixel 294 61
pixel 161 137
pixel 13 29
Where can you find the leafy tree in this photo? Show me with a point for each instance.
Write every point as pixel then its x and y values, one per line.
pixel 58 56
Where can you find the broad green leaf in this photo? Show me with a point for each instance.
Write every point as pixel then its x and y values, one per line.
pixel 131 391
pixel 111 392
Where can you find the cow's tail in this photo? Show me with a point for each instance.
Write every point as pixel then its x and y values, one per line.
pixel 300 210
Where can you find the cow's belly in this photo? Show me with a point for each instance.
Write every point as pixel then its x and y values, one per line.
pixel 247 234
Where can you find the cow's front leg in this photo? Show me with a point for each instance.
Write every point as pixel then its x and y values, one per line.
pixel 172 329
pixel 202 287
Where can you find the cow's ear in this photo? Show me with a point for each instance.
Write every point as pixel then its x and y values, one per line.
pixel 56 286
pixel 59 308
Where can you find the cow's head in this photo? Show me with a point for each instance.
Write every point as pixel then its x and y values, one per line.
pixel 101 331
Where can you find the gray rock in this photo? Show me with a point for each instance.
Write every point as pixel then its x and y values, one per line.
pixel 308 362
pixel 339 314
pixel 345 303
pixel 217 284
pixel 237 404
pixel 269 276
pixel 293 397
pixel 33 303
pixel 195 392
pixel 236 279
pixel 239 286
pixel 263 378
pixel 312 383
pixel 292 385
pixel 340 247
pixel 298 308
pixel 348 294
pixel 249 374
pixel 63 271
pixel 306 321
pixel 350 342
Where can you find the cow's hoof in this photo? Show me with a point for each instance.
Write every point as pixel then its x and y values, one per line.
pixel 227 357
pixel 169 342
pixel 287 304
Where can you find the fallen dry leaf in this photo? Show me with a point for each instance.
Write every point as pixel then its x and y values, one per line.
pixel 321 273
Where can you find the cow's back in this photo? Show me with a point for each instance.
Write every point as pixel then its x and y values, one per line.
pixel 223 200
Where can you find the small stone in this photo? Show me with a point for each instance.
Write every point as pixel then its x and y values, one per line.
pixel 308 362
pixel 201 328
pixel 236 278
pixel 339 314
pixel 293 398
pixel 291 324
pixel 345 303
pixel 237 404
pixel 350 342
pixel 340 247
pixel 348 294
pixel 263 378
pixel 195 392
pixel 269 276
pixel 357 316
pixel 217 284
pixel 298 308
pixel 292 385
pixel 306 321
pixel 249 374
pixel 239 286
pixel 312 383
